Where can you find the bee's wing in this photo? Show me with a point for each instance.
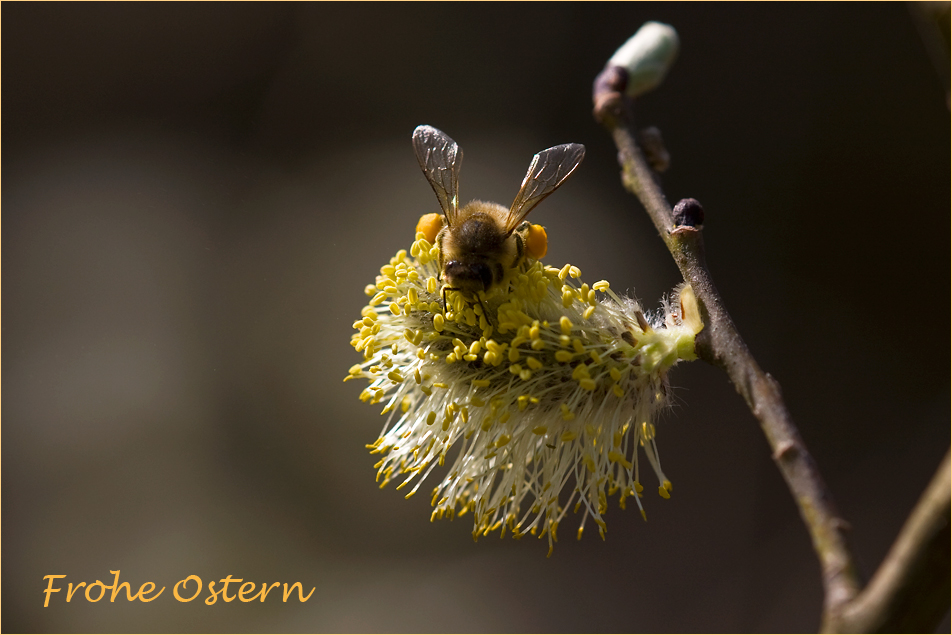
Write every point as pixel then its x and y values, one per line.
pixel 440 159
pixel 547 172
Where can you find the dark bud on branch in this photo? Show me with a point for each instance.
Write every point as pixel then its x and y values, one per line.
pixel 688 213
pixel 608 90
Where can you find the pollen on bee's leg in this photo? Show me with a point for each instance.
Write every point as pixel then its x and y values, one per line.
pixel 430 225
pixel 537 243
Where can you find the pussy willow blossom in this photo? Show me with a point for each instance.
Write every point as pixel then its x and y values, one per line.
pixel 556 390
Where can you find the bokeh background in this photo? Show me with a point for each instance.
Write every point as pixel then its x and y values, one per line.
pixel 194 197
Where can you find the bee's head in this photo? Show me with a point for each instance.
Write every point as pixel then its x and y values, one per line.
pixel 468 276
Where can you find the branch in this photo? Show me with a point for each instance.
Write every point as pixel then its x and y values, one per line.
pixel 721 345
pixel 911 588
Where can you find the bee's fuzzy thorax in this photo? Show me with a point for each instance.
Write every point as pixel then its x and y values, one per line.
pixel 557 390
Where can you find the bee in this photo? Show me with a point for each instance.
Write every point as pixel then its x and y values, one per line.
pixel 481 242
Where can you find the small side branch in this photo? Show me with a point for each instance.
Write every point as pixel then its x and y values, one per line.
pixel 910 591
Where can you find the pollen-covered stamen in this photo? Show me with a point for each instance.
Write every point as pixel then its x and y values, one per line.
pixel 557 390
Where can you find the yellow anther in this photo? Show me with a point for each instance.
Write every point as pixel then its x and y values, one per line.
pixel 426 390
pixel 568 435
pixel 601 285
pixel 574 271
pixel 395 376
pixel 615 373
pixel 440 384
pixel 564 272
pixel 438 322
pixel 476 401
pixel 515 369
pixel 481 383
pixel 377 299
pixel 533 363
pixel 618 457
pixel 595 356
pixel 563 356
pixel 537 344
pixel 539 430
pixel 513 355
pixel 525 374
pixel 618 391
pixel 432 284
pixel 663 492
pixel 587 384
pixel 431 418
pixel 504 417
pixel 588 312
pixel 577 345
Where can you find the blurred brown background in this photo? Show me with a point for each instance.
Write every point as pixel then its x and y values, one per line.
pixel 195 195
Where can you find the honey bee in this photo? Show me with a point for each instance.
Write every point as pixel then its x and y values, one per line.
pixel 480 242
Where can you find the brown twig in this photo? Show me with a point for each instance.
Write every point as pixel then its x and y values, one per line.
pixel 721 345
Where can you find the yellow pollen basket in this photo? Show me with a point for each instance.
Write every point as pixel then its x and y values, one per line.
pixel 537 242
pixel 431 224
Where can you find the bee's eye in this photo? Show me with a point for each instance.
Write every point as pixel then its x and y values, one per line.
pixel 430 225
pixel 537 243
